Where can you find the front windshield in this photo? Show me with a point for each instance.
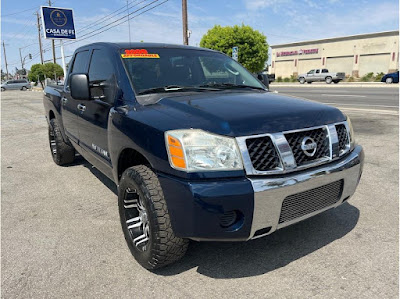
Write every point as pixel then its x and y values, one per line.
pixel 154 68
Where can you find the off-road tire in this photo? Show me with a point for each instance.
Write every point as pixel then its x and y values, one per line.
pixel 163 247
pixel 24 88
pixel 62 152
pixel 302 80
pixel 389 80
pixel 328 80
pixel 3 89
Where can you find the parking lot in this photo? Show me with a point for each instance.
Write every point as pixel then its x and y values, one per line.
pixel 61 235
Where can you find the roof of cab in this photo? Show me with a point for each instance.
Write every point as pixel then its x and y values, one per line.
pixel 128 45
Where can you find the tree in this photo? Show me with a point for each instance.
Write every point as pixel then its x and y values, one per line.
pixel 37 73
pixel 252 44
pixel 3 75
pixel 52 70
pixel 42 71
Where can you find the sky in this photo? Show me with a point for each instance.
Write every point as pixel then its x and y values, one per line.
pixel 282 21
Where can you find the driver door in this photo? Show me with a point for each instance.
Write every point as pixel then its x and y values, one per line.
pixel 93 120
pixel 69 105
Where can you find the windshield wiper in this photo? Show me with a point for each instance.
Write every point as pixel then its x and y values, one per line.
pixel 176 88
pixel 231 86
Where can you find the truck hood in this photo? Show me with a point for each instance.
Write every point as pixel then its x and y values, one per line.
pixel 242 113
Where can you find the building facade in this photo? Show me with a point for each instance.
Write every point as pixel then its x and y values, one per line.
pixel 354 55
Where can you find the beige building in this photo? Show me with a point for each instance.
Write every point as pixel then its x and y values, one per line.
pixel 356 55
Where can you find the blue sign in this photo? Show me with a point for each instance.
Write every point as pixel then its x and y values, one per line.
pixel 58 23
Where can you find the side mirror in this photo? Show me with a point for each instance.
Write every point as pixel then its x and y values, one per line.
pixel 264 79
pixel 79 86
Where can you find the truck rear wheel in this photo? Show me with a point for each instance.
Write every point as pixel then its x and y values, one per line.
pixel 61 152
pixel 328 80
pixel 145 220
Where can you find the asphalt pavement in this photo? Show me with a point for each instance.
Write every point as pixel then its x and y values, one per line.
pixel 368 98
pixel 61 236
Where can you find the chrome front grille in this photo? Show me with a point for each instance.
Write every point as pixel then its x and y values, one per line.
pixel 320 136
pixel 343 137
pixel 307 202
pixel 262 153
pixel 290 151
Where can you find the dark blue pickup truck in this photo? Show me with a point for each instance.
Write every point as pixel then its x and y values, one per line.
pixel 198 147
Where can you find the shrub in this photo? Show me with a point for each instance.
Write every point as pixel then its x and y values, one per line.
pixel 279 79
pixel 379 76
pixel 286 79
pixel 293 78
pixel 350 79
pixel 368 77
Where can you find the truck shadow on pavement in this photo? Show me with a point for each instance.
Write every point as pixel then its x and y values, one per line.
pixel 80 161
pixel 223 260
pixel 260 256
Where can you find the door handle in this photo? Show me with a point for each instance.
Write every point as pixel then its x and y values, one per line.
pixel 81 107
pixel 64 101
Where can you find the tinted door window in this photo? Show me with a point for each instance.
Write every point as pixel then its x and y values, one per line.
pixel 324 70
pixel 317 71
pixel 80 62
pixel 101 77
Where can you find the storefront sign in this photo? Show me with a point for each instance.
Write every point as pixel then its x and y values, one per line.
pixel 297 52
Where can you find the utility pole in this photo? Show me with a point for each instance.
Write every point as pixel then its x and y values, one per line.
pixel 185 23
pixel 129 21
pixel 52 44
pixel 40 38
pixel 5 59
pixel 20 56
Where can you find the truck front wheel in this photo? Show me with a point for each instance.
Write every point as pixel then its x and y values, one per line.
pixel 302 80
pixel 145 219
pixel 61 152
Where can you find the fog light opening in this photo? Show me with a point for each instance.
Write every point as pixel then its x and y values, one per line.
pixel 228 218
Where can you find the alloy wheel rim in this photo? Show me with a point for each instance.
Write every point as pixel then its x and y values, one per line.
pixel 136 219
pixel 53 145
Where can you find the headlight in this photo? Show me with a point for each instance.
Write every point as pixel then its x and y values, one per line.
pixel 351 133
pixel 196 150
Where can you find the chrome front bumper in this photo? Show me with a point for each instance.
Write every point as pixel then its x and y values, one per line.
pixel 269 193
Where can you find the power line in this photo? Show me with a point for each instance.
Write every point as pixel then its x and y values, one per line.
pixel 18 12
pixel 110 16
pixel 120 18
pixel 85 36
pixel 107 17
pixel 114 24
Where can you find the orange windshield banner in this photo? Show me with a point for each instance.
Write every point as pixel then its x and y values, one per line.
pixel 138 53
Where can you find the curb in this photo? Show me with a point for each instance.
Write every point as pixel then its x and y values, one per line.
pixel 344 84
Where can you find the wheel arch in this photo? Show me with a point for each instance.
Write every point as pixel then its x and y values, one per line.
pixel 129 157
pixel 51 115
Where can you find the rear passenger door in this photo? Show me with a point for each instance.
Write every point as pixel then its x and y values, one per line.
pixel 69 110
pixel 93 122
pixel 12 85
pixel 317 75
